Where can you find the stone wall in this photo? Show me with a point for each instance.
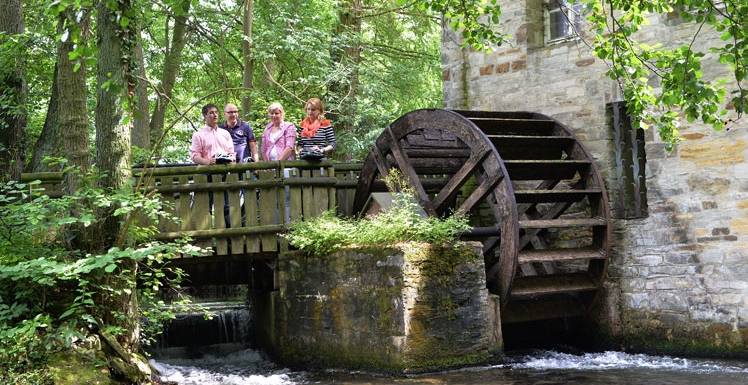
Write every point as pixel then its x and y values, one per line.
pixel 678 277
pixel 410 308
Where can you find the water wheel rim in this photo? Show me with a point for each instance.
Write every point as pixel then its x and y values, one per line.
pixel 484 156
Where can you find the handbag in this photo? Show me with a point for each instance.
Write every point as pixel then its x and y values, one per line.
pixel 309 154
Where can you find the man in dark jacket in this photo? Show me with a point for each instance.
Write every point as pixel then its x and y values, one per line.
pixel 245 144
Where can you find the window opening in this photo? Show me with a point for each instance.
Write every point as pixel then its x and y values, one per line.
pixel 563 20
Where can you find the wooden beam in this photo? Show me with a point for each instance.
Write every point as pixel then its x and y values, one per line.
pixel 404 164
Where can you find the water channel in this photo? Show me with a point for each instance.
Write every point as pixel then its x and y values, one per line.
pixel 245 367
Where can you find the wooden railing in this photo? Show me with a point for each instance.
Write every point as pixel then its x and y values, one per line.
pixel 240 209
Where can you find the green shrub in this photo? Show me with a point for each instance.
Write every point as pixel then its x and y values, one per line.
pixel 51 294
pixel 401 222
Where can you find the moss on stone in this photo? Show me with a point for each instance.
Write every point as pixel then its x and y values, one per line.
pixel 79 369
pixel 647 332
pixel 350 319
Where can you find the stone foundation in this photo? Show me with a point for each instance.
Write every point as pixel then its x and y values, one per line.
pixel 410 308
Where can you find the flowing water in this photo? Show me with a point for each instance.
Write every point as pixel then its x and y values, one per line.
pixel 245 367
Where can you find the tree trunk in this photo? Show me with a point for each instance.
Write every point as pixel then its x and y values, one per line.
pixel 172 63
pixel 112 137
pixel 71 87
pixel 140 130
pixel 49 142
pixel 13 91
pixel 114 82
pixel 248 58
pixel 346 53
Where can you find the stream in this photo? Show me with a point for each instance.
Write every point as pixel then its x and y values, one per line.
pixel 245 367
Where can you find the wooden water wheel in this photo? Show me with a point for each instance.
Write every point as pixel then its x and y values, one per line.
pixel 531 191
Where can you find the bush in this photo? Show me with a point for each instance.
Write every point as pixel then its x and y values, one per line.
pixel 52 295
pixel 402 222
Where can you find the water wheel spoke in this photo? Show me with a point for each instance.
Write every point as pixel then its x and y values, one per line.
pixel 405 166
pixel 458 179
pixel 380 162
pixel 478 194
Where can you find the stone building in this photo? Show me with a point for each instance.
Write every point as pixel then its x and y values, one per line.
pixel 678 274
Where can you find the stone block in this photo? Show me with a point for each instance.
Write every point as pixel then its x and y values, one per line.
pixel 636 300
pixel 709 205
pixel 486 70
pixel 409 308
pixel 502 68
pixel 649 260
pixel 584 62
pixel 518 65
pixel 708 185
pixel 679 258
pixel 673 302
pixel 722 151
pixel 673 270
pixel 739 225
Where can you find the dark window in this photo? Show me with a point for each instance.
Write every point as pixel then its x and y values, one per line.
pixel 563 19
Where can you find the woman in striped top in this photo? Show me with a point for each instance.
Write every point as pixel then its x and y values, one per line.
pixel 316 136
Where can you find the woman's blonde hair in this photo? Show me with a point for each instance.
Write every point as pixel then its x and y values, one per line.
pixel 317 105
pixel 277 106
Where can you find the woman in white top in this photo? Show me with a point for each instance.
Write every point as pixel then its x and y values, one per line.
pixel 279 137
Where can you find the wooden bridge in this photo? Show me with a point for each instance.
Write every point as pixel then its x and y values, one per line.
pixel 238 210
pixel 531 191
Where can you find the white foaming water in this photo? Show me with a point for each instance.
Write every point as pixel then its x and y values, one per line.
pixel 620 360
pixel 246 367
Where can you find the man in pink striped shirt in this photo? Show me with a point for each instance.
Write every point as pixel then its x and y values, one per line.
pixel 210 140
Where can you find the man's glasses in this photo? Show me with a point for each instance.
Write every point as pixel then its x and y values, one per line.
pixel 232 112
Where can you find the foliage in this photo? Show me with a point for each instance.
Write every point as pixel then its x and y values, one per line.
pixel 50 294
pixel 681 90
pixel 465 16
pixel 401 222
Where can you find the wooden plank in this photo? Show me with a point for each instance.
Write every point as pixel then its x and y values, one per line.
pixel 268 229
pixel 536 286
pixel 531 147
pixel 538 196
pixel 308 207
pixel 556 255
pixel 320 194
pixel 344 205
pixel 235 215
pixel 219 215
pixel 251 211
pixel 558 223
pixel 295 193
pixel 496 114
pixel 184 206
pixel 504 126
pixel 269 210
pixel 545 169
pixel 201 218
pixel 331 190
